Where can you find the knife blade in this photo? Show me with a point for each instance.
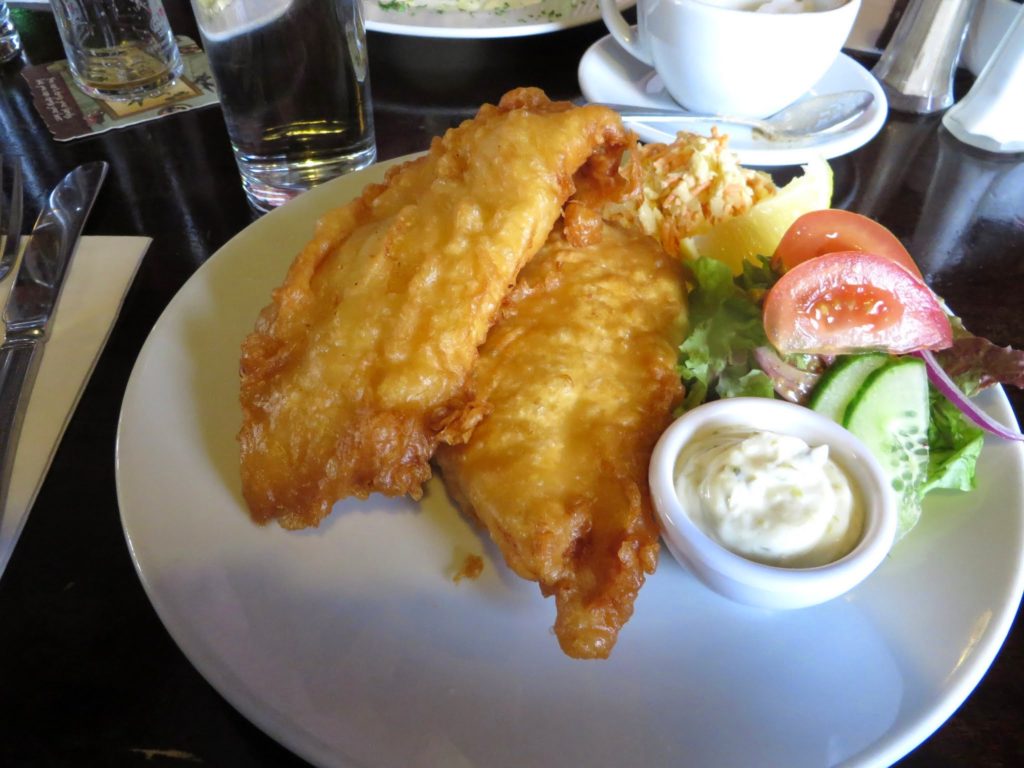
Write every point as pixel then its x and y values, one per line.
pixel 34 298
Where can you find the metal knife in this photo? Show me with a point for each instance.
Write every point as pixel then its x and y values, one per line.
pixel 9 254
pixel 33 300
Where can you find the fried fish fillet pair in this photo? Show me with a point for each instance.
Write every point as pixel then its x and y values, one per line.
pixel 366 362
pixel 357 370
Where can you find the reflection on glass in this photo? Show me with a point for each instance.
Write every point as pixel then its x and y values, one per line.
pixel 971 195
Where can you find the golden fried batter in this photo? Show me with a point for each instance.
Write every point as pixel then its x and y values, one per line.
pixel 357 369
pixel 579 374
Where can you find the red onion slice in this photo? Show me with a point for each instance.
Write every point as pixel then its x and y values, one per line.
pixel 948 387
pixel 788 381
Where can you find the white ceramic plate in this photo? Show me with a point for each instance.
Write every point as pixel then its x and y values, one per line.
pixel 352 646
pixel 608 74
pixel 546 16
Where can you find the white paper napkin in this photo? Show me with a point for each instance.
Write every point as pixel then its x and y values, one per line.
pixel 101 272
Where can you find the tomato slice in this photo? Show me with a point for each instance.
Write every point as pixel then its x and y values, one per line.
pixel 832 231
pixel 852 302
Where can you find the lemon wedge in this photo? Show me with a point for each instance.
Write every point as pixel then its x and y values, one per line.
pixel 759 230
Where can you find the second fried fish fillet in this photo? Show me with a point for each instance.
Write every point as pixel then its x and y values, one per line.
pixel 579 375
pixel 357 369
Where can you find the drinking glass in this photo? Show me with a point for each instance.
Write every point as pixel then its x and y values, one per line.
pixel 10 41
pixel 294 88
pixel 118 49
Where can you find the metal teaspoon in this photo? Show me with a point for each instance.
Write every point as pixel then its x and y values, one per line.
pixel 800 120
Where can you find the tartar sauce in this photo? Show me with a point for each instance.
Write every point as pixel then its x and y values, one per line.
pixel 769 497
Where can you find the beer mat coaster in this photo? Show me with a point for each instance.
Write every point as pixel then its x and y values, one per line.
pixel 71 114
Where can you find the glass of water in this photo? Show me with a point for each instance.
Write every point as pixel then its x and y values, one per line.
pixel 118 49
pixel 10 40
pixel 294 88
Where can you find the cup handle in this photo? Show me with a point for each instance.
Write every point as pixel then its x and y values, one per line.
pixel 622 32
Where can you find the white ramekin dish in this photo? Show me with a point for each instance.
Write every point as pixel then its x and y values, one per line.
pixel 749 582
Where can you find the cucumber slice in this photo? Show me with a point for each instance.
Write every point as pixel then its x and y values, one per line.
pixel 890 415
pixel 841 382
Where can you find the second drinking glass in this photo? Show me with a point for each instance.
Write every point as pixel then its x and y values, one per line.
pixel 122 50
pixel 294 88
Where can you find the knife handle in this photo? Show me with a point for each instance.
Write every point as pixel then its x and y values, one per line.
pixel 19 365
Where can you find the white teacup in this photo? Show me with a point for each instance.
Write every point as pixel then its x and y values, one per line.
pixel 723 57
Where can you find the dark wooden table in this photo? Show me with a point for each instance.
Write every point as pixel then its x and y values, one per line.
pixel 88 675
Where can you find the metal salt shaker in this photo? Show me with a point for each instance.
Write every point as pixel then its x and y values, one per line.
pixel 916 68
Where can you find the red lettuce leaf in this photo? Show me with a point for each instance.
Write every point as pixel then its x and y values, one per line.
pixel 975 363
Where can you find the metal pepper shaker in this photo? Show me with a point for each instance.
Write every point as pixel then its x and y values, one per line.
pixel 917 66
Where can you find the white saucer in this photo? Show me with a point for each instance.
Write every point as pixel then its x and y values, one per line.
pixel 608 74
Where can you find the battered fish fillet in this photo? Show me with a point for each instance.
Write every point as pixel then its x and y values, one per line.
pixel 358 368
pixel 579 374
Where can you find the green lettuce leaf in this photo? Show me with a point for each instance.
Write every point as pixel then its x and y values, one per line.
pixel 954 444
pixel 716 360
pixel 738 381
